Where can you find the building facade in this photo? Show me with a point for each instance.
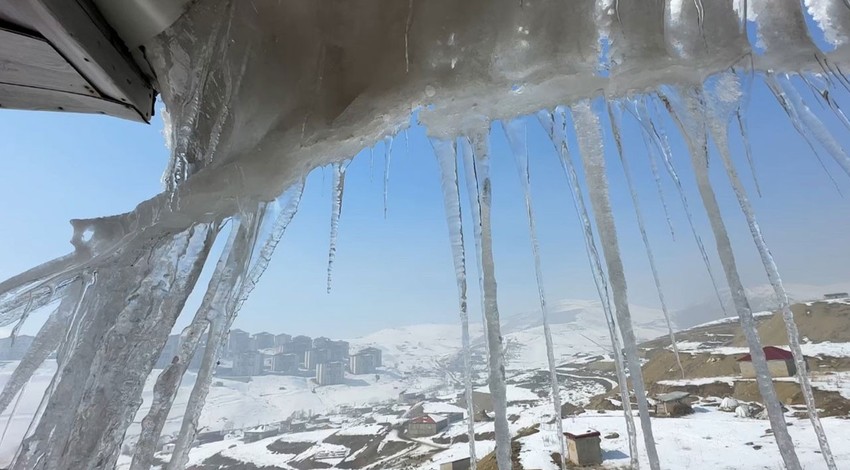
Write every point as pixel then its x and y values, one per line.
pixel 285 362
pixel 282 339
pixel 360 364
pixel 330 373
pixel 263 340
pixel 377 355
pixel 238 341
pixel 248 364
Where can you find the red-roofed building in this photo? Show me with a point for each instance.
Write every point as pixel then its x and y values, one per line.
pixel 780 363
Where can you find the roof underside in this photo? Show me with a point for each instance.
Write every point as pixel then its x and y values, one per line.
pixel 61 55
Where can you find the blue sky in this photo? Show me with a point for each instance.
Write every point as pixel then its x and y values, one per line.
pixel 398 270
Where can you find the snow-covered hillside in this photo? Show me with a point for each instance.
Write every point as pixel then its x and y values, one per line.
pixel 578 327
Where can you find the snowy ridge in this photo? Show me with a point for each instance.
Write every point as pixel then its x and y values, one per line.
pixel 578 327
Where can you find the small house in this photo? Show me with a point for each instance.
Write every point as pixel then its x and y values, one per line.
pixel 460 464
pixel 673 404
pixel 584 448
pixel 426 425
pixel 410 398
pixel 780 363
pixel 168 448
pixel 260 433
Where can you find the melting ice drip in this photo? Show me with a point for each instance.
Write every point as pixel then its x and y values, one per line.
pixel 259 93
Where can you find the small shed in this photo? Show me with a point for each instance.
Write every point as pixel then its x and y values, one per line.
pixel 168 448
pixel 584 448
pixel 426 425
pixel 780 363
pixel 460 464
pixel 673 404
pixel 260 433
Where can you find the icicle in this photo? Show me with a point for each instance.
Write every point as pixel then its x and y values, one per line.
pixel 227 300
pixel 615 128
pixel 388 149
pixel 168 381
pixel 557 134
pixel 477 148
pixel 667 156
pixel 446 153
pixel 590 143
pixel 471 181
pixel 725 100
pixel 371 164
pixel 516 133
pixel 156 276
pixel 336 211
pixel 692 123
pixel 806 123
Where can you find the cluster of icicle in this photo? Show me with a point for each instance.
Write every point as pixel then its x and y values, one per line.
pixel 125 284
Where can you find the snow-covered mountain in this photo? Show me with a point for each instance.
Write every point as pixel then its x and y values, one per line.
pixel 578 327
pixel 761 298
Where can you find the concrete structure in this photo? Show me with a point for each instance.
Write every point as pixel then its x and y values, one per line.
pixel 673 404
pixel 836 296
pixel 285 362
pixel 238 341
pixel 426 425
pixel 299 345
pixel 779 361
pixel 583 448
pixel 314 357
pixel 330 373
pixel 282 339
pixel 263 340
pixel 168 448
pixel 461 464
pixel 360 364
pixel 377 355
pixel 248 364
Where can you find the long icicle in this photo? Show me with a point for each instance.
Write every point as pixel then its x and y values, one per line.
pixel 721 106
pixel 660 140
pixel 516 133
pixel 224 311
pixel 805 121
pixel 168 382
pixel 336 211
pixel 47 340
pixel 446 153
pixel 615 128
pixel 388 153
pixel 475 212
pixel 477 147
pixel 590 144
pixel 694 133
pixel 557 134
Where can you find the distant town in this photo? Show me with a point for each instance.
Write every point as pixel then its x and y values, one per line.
pixel 246 355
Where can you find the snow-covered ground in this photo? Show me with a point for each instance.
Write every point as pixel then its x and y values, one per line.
pixel 707 439
pixel 809 349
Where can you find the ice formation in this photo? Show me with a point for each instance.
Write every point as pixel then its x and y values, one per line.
pixel 259 93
